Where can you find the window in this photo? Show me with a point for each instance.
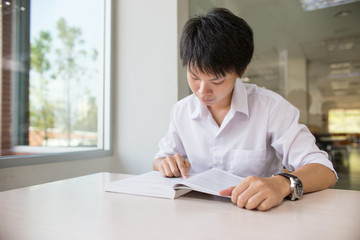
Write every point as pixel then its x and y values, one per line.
pixel 55 80
pixel 344 120
pixel 310 5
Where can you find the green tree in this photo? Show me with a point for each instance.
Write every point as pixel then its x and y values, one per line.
pixel 66 61
pixel 41 114
pixel 88 122
pixel 68 65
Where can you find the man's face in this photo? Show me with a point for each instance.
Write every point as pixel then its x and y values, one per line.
pixel 213 91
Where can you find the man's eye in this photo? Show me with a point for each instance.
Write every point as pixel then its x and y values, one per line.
pixel 218 83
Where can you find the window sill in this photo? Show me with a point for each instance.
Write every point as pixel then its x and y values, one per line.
pixel 48 155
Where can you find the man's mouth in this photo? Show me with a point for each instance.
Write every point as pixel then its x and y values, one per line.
pixel 206 100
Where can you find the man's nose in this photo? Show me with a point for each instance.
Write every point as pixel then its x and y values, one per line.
pixel 204 88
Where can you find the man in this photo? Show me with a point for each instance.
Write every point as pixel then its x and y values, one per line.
pixel 238 127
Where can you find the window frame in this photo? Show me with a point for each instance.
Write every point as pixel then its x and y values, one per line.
pixel 104 147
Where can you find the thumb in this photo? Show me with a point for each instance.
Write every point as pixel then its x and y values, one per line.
pixel 227 192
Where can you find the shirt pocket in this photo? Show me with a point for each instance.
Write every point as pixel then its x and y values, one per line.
pixel 248 162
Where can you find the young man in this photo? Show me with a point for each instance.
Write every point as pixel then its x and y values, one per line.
pixel 238 127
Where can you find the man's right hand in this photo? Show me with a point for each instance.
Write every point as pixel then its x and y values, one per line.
pixel 172 166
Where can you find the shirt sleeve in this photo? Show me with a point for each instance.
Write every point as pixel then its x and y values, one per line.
pixel 293 142
pixel 171 143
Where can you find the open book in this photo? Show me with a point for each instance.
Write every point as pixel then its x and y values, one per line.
pixel 153 184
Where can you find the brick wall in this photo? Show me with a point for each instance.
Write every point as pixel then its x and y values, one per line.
pixel 5 81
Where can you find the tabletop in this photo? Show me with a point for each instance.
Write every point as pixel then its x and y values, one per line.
pixel 79 208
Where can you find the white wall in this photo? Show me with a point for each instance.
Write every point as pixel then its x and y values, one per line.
pixel 183 16
pixel 145 86
pixel 17 177
pixel 146 73
pixel 296 89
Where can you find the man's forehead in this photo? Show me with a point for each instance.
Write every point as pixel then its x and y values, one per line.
pixel 197 71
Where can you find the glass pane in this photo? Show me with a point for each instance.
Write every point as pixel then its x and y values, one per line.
pixel 344 120
pixel 50 75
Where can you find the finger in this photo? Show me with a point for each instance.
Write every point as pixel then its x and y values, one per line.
pixel 174 166
pixel 181 163
pixel 243 198
pixel 162 170
pixel 238 190
pixel 246 189
pixel 265 205
pixel 269 202
pixel 227 192
pixel 254 201
pixel 166 167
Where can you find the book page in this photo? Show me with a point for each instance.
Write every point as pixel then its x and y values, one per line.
pixel 211 181
pixel 151 184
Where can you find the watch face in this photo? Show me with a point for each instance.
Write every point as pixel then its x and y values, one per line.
pixel 298 188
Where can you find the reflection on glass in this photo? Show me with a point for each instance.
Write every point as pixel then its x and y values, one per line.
pixel 49 76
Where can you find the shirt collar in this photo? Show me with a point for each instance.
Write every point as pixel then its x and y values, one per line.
pixel 239 102
pixel 200 110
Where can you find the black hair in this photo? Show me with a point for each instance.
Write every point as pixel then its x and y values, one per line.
pixel 217 43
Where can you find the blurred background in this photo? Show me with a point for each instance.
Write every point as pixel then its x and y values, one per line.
pixel 309 52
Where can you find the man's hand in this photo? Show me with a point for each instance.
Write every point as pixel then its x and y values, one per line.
pixel 172 166
pixel 259 193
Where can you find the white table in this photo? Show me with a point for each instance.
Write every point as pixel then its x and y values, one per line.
pixel 78 208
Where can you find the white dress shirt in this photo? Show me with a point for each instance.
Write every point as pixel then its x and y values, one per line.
pixel 259 135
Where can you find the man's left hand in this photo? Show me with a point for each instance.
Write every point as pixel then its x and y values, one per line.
pixel 259 192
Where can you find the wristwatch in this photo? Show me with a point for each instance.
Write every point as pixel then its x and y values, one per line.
pixel 296 186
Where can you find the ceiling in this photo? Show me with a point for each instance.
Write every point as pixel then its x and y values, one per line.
pixel 330 43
